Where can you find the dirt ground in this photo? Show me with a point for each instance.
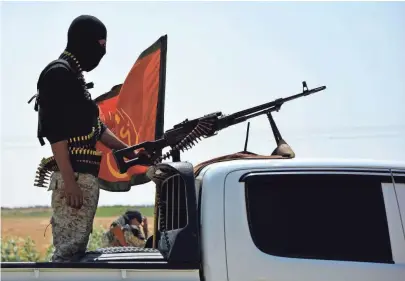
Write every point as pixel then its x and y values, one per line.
pixel 35 228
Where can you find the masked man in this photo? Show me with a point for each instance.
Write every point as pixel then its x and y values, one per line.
pixel 69 119
pixel 126 231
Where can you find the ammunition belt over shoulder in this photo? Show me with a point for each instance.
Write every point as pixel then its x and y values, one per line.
pixel 86 141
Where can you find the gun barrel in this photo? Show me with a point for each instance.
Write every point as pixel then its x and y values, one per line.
pixel 277 102
pixel 304 93
pixel 243 115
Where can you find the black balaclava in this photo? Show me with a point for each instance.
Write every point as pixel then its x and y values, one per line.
pixel 83 35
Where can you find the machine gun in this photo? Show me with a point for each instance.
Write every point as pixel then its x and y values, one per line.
pixel 187 133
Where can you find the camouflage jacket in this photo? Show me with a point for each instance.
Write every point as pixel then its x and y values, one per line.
pixel 134 235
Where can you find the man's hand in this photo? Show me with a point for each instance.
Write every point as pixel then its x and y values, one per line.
pixel 72 192
pixel 73 195
pixel 111 141
pixel 142 155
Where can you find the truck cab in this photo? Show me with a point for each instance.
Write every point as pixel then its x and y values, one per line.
pixel 259 218
pixel 291 219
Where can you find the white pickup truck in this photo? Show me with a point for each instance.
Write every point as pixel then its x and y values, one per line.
pixel 259 219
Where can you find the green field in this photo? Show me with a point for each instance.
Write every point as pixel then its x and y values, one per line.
pixel 104 211
pixel 23 230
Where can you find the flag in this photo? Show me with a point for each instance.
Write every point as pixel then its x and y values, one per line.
pixel 134 112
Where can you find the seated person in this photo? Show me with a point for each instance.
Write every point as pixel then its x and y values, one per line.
pixel 126 231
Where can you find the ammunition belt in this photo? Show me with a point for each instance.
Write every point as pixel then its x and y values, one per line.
pixel 83 157
pixel 82 160
pixel 86 141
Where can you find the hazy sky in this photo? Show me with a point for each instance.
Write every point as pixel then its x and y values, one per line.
pixel 221 57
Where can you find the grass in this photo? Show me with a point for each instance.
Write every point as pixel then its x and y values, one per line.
pixel 17 249
pixel 105 211
pixel 112 211
pixel 23 230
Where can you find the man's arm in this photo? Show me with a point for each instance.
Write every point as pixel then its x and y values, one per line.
pixel 73 194
pixel 56 103
pixel 112 141
pixel 61 154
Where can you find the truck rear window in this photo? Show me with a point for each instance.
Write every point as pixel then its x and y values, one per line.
pixel 319 216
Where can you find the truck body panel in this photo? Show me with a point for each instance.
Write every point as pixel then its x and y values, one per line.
pixel 267 219
pixel 98 274
pixel 246 262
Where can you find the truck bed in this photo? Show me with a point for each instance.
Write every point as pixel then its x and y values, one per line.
pixel 123 254
pixel 116 263
pixel 114 257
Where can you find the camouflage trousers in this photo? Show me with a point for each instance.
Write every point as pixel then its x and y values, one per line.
pixel 71 228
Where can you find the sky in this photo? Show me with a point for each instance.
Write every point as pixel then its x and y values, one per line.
pixel 223 56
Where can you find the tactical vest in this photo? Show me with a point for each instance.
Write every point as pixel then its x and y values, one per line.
pixel 84 157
